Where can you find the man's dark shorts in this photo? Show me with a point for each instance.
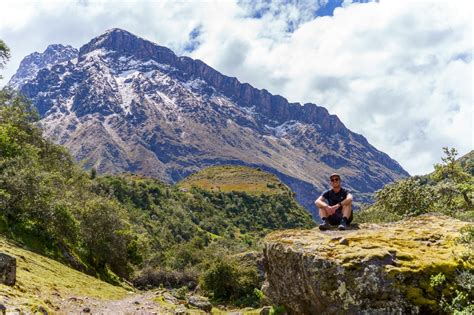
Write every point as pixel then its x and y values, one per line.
pixel 336 218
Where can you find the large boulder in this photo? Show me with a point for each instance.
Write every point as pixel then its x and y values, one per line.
pixel 372 269
pixel 7 269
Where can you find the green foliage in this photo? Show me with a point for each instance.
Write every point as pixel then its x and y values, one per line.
pixel 4 54
pixel 229 281
pixel 437 280
pixel 460 304
pixel 454 187
pixel 181 293
pixel 259 294
pixel 277 310
pixel 404 198
pixel 453 292
pixel 448 190
pixel 47 201
pixel 449 169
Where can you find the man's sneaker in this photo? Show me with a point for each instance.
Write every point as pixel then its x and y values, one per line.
pixel 343 225
pixel 324 225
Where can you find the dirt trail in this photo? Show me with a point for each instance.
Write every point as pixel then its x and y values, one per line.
pixel 135 303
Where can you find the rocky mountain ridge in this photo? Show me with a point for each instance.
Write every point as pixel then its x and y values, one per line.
pixel 127 104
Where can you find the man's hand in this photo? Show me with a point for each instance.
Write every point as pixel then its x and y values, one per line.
pixel 331 209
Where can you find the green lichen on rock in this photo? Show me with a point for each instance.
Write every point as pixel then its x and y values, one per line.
pixel 373 269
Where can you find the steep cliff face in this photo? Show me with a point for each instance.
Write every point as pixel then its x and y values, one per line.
pixel 127 104
pixel 372 269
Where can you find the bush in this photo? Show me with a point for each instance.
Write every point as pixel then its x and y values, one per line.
pixel 229 281
pixel 406 198
pixel 106 235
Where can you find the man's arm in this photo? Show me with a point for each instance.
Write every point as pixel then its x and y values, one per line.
pixel 347 201
pixel 320 203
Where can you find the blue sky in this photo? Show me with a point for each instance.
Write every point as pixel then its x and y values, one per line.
pixel 398 72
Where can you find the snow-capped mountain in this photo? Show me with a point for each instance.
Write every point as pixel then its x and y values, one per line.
pixel 31 64
pixel 122 103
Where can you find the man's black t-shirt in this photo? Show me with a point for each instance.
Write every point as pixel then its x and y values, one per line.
pixel 335 198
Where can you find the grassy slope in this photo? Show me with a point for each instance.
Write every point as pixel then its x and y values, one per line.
pixel 44 283
pixel 40 278
pixel 230 178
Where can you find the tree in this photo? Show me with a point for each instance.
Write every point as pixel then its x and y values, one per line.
pixel 4 54
pixel 452 180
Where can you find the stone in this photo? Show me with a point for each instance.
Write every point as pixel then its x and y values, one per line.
pixel 169 298
pixel 344 241
pixel 86 310
pixel 42 310
pixel 7 269
pixel 385 270
pixel 200 302
pixel 181 310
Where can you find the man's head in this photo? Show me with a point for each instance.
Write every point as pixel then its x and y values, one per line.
pixel 335 180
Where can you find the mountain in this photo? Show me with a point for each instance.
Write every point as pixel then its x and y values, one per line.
pixel 34 62
pixel 126 104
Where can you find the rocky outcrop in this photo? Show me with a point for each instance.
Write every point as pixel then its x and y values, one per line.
pixel 7 269
pixel 370 269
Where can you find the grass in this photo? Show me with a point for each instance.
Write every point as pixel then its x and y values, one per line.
pixel 39 278
pixel 231 178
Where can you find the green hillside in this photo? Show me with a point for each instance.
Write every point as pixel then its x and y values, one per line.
pixel 230 178
pixel 43 282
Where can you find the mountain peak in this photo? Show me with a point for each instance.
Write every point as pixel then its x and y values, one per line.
pixel 33 63
pixel 55 48
pixel 124 43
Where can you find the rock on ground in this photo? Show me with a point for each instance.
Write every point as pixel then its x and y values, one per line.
pixel 377 269
pixel 7 269
pixel 200 302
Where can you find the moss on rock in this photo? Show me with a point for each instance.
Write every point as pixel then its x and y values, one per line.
pixel 373 268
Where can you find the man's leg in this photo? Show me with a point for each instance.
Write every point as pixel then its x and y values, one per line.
pixel 347 212
pixel 346 216
pixel 324 222
pixel 322 213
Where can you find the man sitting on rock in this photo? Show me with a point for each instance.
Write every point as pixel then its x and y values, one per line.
pixel 335 205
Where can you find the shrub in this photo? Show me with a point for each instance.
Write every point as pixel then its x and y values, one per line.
pixel 106 235
pixel 404 198
pixel 229 281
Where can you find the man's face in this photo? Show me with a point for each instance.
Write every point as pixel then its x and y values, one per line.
pixel 335 181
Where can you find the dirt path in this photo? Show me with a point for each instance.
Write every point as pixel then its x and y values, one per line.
pixel 135 303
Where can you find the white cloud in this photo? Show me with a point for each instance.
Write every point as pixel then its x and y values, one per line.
pixel 398 72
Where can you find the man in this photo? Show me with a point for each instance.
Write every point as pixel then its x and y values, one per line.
pixel 335 205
